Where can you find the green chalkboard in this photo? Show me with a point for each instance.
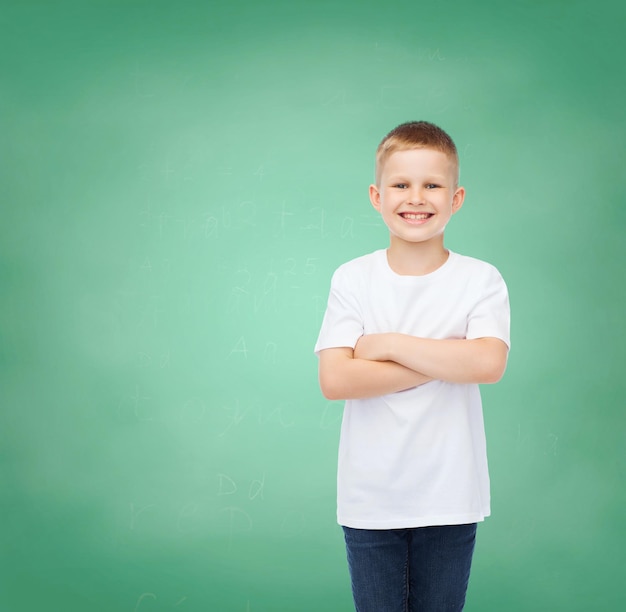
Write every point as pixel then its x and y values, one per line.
pixel 180 179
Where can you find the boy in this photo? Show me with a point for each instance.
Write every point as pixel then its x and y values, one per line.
pixel 408 335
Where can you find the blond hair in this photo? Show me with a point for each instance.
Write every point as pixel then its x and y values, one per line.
pixel 415 135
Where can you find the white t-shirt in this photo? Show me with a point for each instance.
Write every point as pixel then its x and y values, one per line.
pixel 418 457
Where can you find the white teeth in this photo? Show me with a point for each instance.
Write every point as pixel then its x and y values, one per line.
pixel 415 215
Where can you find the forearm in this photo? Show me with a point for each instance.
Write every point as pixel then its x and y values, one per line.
pixel 344 377
pixel 482 360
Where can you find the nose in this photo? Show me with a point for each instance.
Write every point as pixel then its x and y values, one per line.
pixel 416 196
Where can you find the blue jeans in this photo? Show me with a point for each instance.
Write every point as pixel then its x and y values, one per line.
pixel 425 569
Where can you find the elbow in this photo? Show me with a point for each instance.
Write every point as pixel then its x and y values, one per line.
pixel 493 371
pixel 330 388
pixel 331 396
pixel 490 378
pixel 332 374
pixel 491 362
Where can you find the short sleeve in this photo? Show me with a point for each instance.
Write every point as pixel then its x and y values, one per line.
pixel 490 316
pixel 343 320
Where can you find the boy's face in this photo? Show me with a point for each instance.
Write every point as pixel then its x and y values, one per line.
pixel 417 195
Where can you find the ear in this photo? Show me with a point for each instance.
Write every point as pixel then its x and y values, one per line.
pixel 375 197
pixel 457 199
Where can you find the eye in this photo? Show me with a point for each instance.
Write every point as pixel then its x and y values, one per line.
pixel 400 185
pixel 432 186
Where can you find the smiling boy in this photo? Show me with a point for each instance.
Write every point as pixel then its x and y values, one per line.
pixel 408 335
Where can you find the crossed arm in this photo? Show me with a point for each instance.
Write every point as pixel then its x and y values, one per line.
pixel 387 363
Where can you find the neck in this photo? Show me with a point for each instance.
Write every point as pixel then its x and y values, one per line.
pixel 416 259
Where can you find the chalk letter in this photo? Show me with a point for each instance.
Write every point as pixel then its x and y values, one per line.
pixel 240 347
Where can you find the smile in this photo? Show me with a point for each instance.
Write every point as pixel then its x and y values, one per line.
pixel 416 216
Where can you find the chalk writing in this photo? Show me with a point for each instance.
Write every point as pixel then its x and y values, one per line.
pixel 210 226
pixel 150 313
pixel 146 265
pixel 240 347
pixel 269 354
pixel 319 225
pixel 347 228
pixel 239 521
pixel 144 596
pixel 283 214
pixel 147 360
pixel 552 444
pixel 227 485
pixel 337 98
pixel 256 488
pixel 138 403
pixel 134 514
pixel 235 418
pixel 152 596
pixel 277 414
